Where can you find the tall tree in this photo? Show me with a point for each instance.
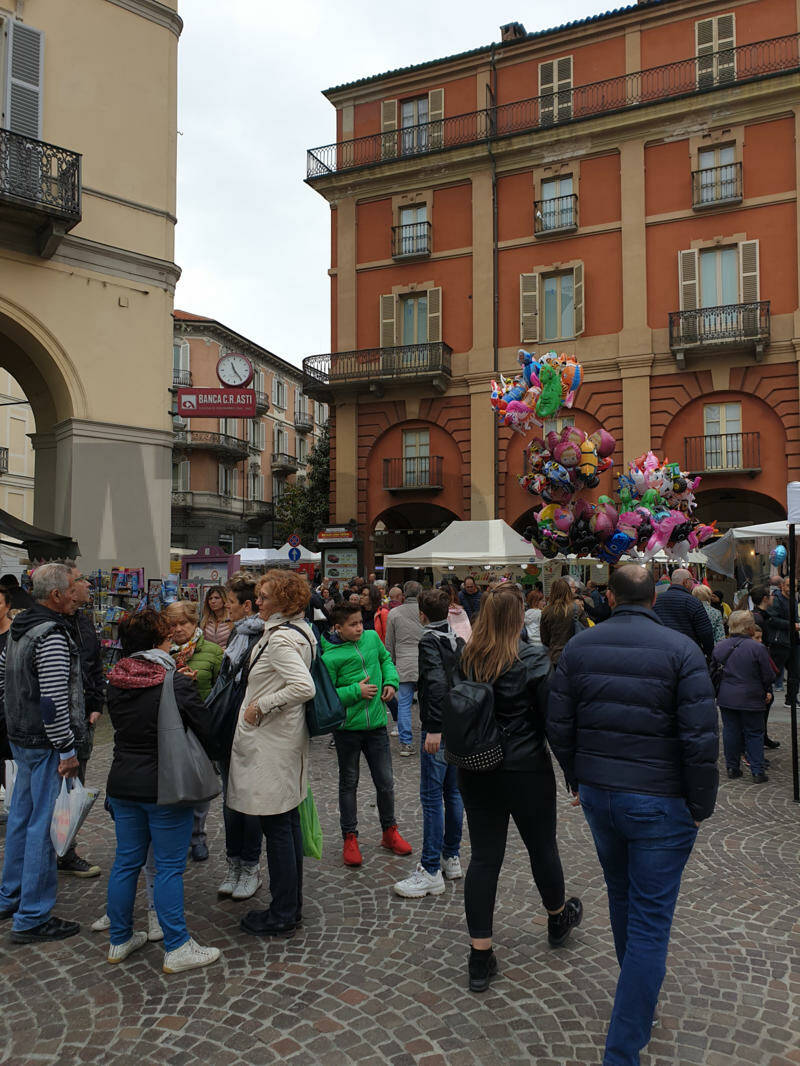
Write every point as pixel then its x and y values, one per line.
pixel 304 508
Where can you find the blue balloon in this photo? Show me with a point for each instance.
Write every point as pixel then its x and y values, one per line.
pixel 778 556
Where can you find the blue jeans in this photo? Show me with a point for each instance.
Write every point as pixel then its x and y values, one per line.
pixel 242 831
pixel 743 731
pixel 643 843
pixel 30 875
pixel 441 826
pixel 170 830
pixel 405 697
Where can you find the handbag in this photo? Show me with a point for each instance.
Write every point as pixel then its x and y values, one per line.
pixel 186 777
pixel 470 732
pixel 223 711
pixel 324 713
pixel 310 827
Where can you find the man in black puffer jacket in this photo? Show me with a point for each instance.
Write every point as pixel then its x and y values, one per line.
pixel 633 722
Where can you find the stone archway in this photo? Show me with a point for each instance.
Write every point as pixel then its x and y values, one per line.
pixel 400 528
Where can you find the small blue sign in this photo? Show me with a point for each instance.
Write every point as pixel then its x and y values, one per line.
pixel 294 555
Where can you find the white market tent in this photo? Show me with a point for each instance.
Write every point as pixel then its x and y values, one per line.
pixel 493 541
pixel 766 529
pixel 282 554
pixel 274 556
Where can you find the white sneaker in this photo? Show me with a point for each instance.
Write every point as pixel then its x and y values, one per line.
pixel 249 882
pixel 451 868
pixel 102 923
pixel 231 878
pixel 118 952
pixel 420 884
pixel 189 956
pixel 395 732
pixel 154 930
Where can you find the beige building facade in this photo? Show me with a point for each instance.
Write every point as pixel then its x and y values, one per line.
pixel 17 458
pixel 87 217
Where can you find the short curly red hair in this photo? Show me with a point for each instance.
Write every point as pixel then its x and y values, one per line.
pixel 288 591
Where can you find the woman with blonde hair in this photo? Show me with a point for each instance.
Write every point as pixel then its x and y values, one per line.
pixel 215 623
pixel 704 594
pixel 522 788
pixel 269 760
pixel 559 618
pixel 534 602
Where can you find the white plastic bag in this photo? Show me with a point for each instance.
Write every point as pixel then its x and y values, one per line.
pixel 73 804
pixel 11 777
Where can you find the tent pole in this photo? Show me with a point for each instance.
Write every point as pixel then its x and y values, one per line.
pixel 791 669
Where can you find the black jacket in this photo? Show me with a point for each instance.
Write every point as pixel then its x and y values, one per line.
pixel 470 601
pixel 134 716
pixel 632 710
pixel 677 608
pixel 520 696
pixel 778 614
pixel 82 631
pixel 439 653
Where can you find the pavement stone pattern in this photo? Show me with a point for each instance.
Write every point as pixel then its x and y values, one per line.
pixel 374 979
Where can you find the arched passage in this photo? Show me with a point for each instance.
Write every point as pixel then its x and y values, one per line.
pixel 737 507
pixel 403 527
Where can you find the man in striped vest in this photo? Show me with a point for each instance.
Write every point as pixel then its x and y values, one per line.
pixel 40 680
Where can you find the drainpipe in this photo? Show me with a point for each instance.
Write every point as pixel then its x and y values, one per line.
pixel 495 293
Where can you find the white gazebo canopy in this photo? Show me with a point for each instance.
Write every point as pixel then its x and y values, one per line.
pixel 282 554
pixel 273 556
pixel 493 541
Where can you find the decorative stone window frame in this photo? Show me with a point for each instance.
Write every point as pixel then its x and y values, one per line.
pixel 718 138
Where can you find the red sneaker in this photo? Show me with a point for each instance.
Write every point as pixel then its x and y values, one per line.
pixel 394 842
pixel 351 853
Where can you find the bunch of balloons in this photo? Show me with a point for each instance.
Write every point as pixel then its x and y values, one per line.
pixel 538 392
pixel 566 462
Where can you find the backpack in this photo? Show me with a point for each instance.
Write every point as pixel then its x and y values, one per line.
pixel 325 713
pixel 470 733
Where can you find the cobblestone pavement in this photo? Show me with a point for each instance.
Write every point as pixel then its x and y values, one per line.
pixel 375 979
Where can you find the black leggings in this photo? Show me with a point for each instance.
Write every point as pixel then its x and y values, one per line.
pixel 489 800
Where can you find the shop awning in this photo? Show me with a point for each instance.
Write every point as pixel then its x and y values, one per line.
pixel 40 544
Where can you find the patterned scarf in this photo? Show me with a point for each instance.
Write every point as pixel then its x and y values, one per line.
pixel 182 653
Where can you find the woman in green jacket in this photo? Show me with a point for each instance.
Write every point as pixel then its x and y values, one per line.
pixel 200 660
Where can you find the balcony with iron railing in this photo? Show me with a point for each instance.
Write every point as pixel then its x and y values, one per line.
pixel 559 214
pixel 258 509
pixel 705 329
pixel 411 241
pixel 207 440
pixel 671 81
pixel 3 460
pixel 40 188
pixel 181 378
pixel 303 421
pixel 207 501
pixel 723 453
pixel 418 473
pixel 717 186
pixel 376 367
pixel 283 463
pixel 262 402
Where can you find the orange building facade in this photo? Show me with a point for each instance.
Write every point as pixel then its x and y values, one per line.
pixel 228 473
pixel 623 189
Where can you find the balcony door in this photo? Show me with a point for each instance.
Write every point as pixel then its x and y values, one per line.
pixel 717 174
pixel 723 436
pixel 413 230
pixel 413 125
pixel 416 458
pixel 557 206
pixel 413 323
pixel 719 291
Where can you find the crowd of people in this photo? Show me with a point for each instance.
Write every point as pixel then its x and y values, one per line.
pixel 635 736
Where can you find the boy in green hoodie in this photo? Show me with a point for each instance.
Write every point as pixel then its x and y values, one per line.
pixel 365 679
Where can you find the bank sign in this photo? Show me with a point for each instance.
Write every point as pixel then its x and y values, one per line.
pixel 216 403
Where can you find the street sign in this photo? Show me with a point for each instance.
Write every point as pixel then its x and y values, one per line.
pixel 294 555
pixel 294 541
pixel 216 403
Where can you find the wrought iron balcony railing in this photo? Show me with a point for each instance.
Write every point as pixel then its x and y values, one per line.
pixel 282 462
pixel 724 453
pixel 42 176
pixel 207 501
pixel 686 77
pixel 210 441
pixel 377 366
pixel 3 460
pixel 556 215
pixel 714 327
pixel 303 422
pixel 258 509
pixel 262 401
pixel 181 377
pixel 716 186
pixel 419 473
pixel 411 240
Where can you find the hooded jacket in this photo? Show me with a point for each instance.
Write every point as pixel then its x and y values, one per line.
pixel 134 695
pixel 349 663
pixel 439 654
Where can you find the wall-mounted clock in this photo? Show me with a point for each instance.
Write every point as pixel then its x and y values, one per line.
pixel 235 371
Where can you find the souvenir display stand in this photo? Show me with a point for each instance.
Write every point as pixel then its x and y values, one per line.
pixel 116 593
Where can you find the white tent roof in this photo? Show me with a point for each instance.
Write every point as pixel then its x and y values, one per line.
pixel 259 556
pixel 282 554
pixel 767 529
pixel 469 542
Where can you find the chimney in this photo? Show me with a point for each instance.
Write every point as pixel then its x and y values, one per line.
pixel 512 31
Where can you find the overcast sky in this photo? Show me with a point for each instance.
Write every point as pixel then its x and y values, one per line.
pixel 253 240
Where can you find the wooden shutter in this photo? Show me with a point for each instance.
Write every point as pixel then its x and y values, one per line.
pixel 529 308
pixel 387 320
pixel 705 41
pixel 725 45
pixel 688 279
pixel 24 80
pixel 221 478
pixel 388 129
pixel 748 267
pixel 578 298
pixel 547 77
pixel 434 315
pixel 436 118
pixel 564 88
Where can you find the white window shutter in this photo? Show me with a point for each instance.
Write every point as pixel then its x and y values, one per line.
pixel 725 45
pixel 221 478
pixel 705 40
pixel 748 266
pixel 24 80
pixel 547 77
pixel 388 129
pixel 436 118
pixel 387 320
pixel 578 298
pixel 564 87
pixel 234 481
pixel 434 315
pixel 529 308
pixel 688 279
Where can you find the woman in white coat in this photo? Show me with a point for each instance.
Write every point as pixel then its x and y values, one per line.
pixel 269 759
